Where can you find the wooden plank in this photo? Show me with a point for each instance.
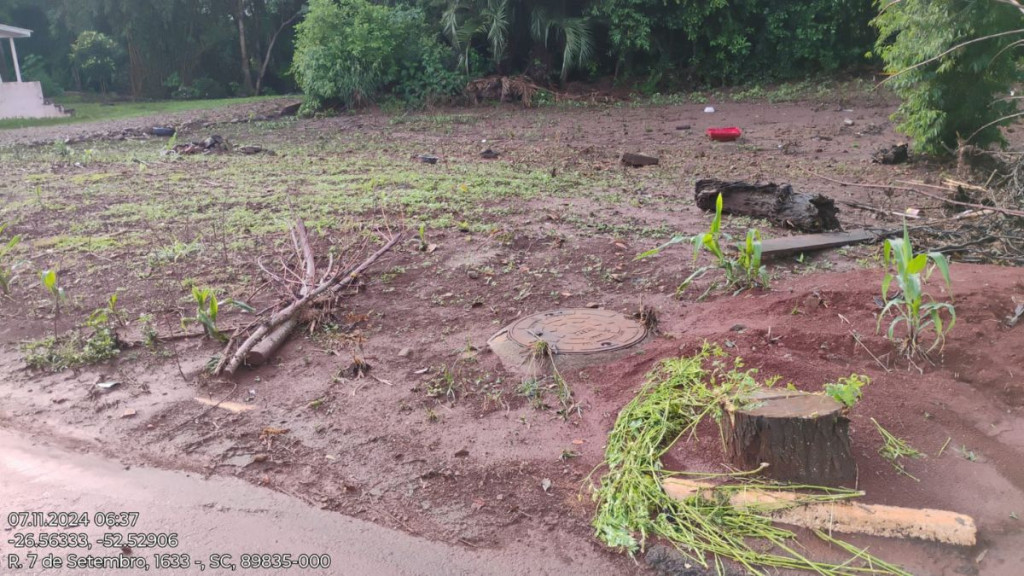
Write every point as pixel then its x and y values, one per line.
pixel 812 242
pixel 842 516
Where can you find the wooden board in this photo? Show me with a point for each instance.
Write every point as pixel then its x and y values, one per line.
pixel 812 242
pixel 842 516
pixel 637 160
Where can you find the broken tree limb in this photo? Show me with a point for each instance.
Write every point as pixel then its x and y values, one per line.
pixel 839 516
pixel 778 204
pixel 335 282
pixel 774 247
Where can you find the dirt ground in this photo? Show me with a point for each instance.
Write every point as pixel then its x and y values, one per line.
pixel 436 440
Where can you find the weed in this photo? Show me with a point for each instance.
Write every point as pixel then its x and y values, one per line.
pixel 847 391
pixel 968 455
pixel 207 309
pixel 908 305
pixel 444 385
pixel 8 268
pixel 150 337
pixel 540 353
pixel 93 342
pixel 894 449
pixel 173 253
pixel 432 416
pixel 743 272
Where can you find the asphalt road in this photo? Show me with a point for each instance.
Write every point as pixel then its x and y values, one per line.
pixel 211 519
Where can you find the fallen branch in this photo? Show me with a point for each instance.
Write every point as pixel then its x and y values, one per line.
pixel 307 294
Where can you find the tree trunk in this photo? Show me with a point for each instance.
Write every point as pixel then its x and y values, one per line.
pixel 270 49
pixel 778 204
pixel 804 438
pixel 246 71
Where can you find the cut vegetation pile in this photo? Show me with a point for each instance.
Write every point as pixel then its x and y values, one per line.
pixel 632 506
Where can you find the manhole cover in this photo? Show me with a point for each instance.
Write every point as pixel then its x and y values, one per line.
pixel 578 330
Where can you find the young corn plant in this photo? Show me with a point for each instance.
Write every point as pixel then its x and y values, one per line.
pixel 745 271
pixel 7 266
pixel 207 310
pixel 915 313
pixel 51 283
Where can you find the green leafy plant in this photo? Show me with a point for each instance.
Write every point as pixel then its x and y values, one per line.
pixel 911 307
pixel 745 271
pixel 895 449
pixel 89 343
pixel 51 283
pixel 207 310
pixel 849 390
pixel 632 506
pixel 8 268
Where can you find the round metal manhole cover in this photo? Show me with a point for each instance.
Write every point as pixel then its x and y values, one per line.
pixel 578 330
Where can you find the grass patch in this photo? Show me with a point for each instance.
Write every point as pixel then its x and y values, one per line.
pixel 90 109
pixel 92 343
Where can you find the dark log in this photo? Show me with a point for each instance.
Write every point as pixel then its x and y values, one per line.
pixel 637 160
pixel 778 204
pixel 804 438
pixel 896 154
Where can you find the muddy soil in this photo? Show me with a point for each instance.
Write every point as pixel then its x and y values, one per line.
pixel 475 463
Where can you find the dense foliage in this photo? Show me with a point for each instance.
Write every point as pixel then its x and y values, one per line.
pixel 953 83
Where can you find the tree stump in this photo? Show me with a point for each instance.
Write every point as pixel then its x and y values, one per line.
pixel 804 438
pixel 777 203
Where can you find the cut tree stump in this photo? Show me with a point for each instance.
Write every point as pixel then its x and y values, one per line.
pixel 804 438
pixel 845 516
pixel 777 203
pixel 637 160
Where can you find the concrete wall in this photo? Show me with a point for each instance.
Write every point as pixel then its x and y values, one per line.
pixel 25 100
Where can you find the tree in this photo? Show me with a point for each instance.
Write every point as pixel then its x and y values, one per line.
pixel 95 57
pixel 953 63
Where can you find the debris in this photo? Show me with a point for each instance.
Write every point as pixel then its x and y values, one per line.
pixel 637 160
pixel 683 127
pixel 107 385
pixel 545 484
pixel 502 89
pixel 405 353
pixel 489 154
pixel 777 203
pixel 233 407
pixel 129 412
pixel 257 458
pixel 250 150
pixel 724 134
pixel 812 242
pixel 1012 319
pixel 427 159
pixel 214 144
pixel 709 110
pixel 290 110
pixel 768 427
pixel 165 131
pixel 897 154
pixel 837 516
pixel 848 122
pixel 462 453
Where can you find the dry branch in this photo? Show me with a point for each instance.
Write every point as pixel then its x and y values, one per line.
pixel 276 328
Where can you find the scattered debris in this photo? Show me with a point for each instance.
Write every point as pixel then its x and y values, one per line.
pixel 489 154
pixel 848 122
pixel 290 110
pixel 777 203
pixel 215 144
pixel 638 160
pixel 250 150
pixel 1012 319
pixel 233 407
pixel 724 134
pixel 129 412
pixel 106 385
pixel 896 154
pixel 812 242
pixel 835 516
pixel 683 127
pixel 165 131
pixel 426 158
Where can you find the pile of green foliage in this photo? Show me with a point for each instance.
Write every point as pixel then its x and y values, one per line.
pixel 954 62
pixel 632 506
pixel 350 51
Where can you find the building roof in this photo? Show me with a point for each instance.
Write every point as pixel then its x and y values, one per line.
pixel 13 32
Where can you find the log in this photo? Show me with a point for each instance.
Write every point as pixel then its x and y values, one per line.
pixel 774 247
pixel 265 349
pixel 842 516
pixel 778 204
pixel 804 438
pixel 637 160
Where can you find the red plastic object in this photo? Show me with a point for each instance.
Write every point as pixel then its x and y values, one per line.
pixel 724 134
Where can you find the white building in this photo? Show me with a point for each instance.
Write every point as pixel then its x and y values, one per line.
pixel 22 99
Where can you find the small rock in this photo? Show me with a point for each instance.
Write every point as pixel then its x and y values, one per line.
pixel 259 458
pixel 738 328
pixel 405 353
pixel 129 413
pixel 591 305
pixel 425 158
pixel 425 505
pixel 709 110
pixel 489 154
pixel 462 453
pixel 545 484
pixel 848 122
pixel 683 127
pixel 473 274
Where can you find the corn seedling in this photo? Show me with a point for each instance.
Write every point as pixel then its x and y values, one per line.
pixel 51 283
pixel 7 266
pixel 632 506
pixel 894 449
pixel 743 272
pixel 912 309
pixel 207 310
pixel 847 391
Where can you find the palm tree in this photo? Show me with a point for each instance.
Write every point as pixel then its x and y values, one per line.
pixel 463 20
pixel 578 47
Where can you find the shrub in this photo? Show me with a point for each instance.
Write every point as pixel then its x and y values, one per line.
pixel 350 51
pixel 95 57
pixel 949 85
